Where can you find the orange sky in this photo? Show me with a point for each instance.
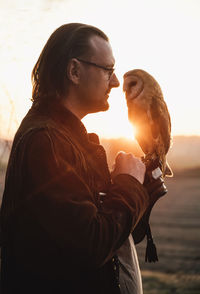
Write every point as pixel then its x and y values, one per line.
pixel 161 37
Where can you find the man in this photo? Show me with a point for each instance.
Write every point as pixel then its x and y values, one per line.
pixel 63 219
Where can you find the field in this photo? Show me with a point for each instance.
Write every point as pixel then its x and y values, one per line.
pixel 175 223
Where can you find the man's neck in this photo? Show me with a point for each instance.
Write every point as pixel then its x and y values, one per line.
pixel 71 105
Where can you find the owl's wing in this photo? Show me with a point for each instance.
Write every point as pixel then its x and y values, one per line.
pixel 139 115
pixel 161 121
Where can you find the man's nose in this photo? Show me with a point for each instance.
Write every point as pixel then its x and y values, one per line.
pixel 114 82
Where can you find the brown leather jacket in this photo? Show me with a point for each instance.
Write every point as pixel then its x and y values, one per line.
pixel 60 234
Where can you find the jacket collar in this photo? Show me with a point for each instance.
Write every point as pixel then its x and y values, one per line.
pixel 67 120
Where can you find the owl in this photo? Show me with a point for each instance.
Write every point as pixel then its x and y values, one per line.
pixel 148 111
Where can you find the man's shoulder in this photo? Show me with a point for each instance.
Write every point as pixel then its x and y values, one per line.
pixel 35 125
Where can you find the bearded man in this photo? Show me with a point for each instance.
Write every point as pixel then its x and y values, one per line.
pixel 65 221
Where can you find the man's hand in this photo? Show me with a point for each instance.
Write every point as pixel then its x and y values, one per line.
pixel 126 163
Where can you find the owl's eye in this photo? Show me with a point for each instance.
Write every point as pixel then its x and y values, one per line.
pixel 133 83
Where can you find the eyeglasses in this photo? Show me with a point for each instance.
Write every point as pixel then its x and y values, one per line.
pixel 109 70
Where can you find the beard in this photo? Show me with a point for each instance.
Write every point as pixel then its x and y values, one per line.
pixel 93 105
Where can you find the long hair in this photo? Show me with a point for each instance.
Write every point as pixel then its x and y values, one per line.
pixel 49 78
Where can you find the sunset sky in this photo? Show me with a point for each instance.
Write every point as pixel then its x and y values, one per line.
pixel 161 37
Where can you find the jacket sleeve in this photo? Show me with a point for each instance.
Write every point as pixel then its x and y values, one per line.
pixel 64 206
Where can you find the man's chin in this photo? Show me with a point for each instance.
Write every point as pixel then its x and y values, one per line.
pixel 105 107
pixel 102 107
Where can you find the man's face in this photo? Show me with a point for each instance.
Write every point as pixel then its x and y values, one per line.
pixel 96 82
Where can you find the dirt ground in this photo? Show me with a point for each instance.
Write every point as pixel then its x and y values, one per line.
pixel 175 223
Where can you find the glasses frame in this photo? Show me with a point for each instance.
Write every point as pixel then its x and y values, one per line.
pixel 110 70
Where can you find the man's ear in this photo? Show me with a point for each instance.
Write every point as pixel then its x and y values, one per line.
pixel 73 71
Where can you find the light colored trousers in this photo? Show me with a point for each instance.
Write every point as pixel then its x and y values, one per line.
pixel 129 270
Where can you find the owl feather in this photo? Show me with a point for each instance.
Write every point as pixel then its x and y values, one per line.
pixel 148 111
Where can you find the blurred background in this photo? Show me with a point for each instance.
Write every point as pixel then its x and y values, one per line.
pixel 159 36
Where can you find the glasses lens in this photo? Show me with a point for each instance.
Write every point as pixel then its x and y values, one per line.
pixel 110 73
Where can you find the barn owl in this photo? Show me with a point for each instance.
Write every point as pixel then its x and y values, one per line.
pixel 148 111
